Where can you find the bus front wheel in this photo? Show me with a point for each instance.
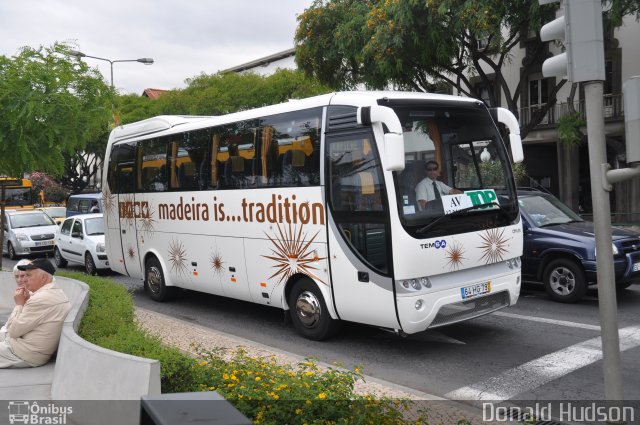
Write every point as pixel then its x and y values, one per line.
pixel 309 312
pixel 154 281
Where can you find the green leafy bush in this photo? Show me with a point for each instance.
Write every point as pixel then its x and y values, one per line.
pixel 263 390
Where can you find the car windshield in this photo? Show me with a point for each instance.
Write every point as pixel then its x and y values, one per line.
pixel 30 220
pixel 547 210
pixel 94 226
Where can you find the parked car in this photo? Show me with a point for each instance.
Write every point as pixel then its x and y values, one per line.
pixel 28 232
pixel 81 203
pixel 560 248
pixel 80 239
pixel 58 214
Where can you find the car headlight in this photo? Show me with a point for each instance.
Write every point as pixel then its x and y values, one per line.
pixel 22 237
pixel 100 247
pixel 614 248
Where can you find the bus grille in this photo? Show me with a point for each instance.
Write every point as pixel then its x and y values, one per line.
pixel 464 310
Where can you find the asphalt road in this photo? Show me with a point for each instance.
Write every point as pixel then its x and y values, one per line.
pixel 536 350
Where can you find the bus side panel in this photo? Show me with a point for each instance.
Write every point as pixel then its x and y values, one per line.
pixel 371 301
pixel 268 276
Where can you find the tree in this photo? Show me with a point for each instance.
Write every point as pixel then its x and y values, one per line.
pixel 418 45
pixel 52 107
pixel 231 92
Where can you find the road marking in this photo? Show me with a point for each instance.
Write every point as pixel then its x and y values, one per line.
pixel 551 321
pixel 543 370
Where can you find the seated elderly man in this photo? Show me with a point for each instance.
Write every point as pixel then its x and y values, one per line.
pixel 20 277
pixel 34 327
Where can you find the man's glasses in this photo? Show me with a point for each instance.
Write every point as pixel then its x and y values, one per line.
pixel 432 169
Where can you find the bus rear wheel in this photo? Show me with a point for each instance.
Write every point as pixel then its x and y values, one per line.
pixel 309 312
pixel 154 281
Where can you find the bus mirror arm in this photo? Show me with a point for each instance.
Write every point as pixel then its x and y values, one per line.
pixel 507 118
pixel 393 139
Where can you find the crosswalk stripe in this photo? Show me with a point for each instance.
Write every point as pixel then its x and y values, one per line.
pixel 543 370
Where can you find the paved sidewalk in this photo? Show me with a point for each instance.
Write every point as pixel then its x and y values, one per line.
pixel 185 335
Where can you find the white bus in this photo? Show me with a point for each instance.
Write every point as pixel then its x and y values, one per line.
pixel 310 206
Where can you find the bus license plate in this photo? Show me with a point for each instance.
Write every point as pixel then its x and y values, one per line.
pixel 44 243
pixel 475 290
pixel 636 267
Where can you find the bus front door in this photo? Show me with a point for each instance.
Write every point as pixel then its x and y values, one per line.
pixel 359 236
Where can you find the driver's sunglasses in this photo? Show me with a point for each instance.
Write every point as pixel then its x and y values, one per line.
pixel 432 169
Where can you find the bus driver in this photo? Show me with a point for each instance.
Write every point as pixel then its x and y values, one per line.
pixel 430 188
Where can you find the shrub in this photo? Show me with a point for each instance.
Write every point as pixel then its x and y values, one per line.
pixel 108 322
pixel 263 390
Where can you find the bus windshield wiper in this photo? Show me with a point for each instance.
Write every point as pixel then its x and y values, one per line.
pixel 457 212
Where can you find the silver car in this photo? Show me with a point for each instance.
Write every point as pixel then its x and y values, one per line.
pixel 28 232
pixel 81 240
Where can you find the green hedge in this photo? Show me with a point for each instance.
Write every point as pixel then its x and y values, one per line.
pixel 264 391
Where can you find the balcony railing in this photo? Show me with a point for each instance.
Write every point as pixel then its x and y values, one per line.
pixel 613 110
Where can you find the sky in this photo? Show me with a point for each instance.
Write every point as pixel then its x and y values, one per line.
pixel 185 38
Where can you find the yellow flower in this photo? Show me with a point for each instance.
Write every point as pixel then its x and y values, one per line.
pixel 308 373
pixel 298 411
pixel 257 378
pixel 322 396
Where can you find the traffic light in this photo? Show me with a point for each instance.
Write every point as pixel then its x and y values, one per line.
pixel 581 30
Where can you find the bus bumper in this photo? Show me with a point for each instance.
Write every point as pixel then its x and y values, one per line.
pixel 418 314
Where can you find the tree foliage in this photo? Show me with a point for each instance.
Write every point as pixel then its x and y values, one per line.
pixel 419 44
pixel 52 107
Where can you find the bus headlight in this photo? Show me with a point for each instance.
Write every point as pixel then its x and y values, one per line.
pixel 405 284
pixel 418 304
pixel 415 284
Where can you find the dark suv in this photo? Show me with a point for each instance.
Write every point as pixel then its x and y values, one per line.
pixel 560 248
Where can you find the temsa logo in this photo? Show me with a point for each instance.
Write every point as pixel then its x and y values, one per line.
pixel 437 244
pixel 131 209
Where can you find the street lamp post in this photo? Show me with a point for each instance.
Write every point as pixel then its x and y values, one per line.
pixel 80 55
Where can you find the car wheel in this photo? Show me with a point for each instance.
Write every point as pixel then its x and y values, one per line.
pixel 309 312
pixel 89 264
pixel 57 258
pixel 154 282
pixel 11 252
pixel 564 281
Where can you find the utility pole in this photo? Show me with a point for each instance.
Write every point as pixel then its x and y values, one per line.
pixel 583 61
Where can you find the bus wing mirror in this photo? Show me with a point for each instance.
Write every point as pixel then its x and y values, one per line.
pixel 507 118
pixel 393 159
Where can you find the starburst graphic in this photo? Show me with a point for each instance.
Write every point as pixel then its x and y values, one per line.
pixel 147 222
pixel 493 246
pixel 292 254
pixel 131 252
pixel 128 215
pixel 455 255
pixel 216 263
pixel 108 202
pixel 178 258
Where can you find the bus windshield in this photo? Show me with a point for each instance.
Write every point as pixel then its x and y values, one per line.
pixel 455 161
pixel 18 192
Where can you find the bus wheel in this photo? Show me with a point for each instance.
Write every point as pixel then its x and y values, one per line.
pixel 57 258
pixel 309 312
pixel 154 281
